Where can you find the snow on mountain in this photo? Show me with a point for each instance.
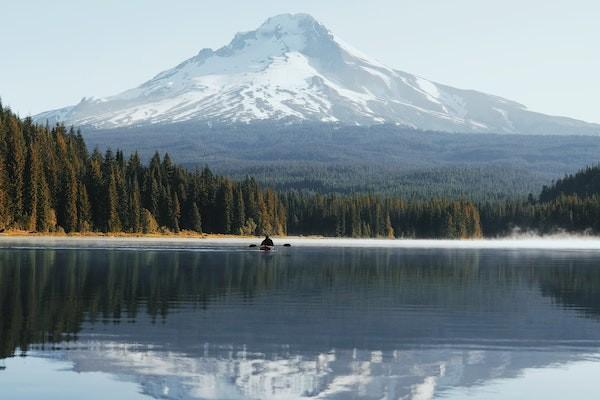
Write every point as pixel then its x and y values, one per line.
pixel 292 68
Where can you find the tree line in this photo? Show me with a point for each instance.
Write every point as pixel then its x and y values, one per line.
pixel 50 182
pixel 378 216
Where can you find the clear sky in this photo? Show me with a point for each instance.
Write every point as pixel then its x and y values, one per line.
pixel 542 53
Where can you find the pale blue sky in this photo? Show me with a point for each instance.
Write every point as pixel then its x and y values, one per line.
pixel 544 54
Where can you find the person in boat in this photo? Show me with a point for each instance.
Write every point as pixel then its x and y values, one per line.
pixel 267 242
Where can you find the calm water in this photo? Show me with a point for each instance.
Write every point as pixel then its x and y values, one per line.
pixel 228 323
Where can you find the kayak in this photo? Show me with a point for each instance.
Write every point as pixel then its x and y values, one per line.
pixel 267 248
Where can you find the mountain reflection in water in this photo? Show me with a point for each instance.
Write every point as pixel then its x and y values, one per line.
pixel 312 322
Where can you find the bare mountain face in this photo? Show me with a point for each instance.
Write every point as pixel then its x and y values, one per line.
pixel 293 69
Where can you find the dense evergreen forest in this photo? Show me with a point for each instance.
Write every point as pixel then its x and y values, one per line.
pixel 384 159
pixel 571 204
pixel 585 183
pixel 50 182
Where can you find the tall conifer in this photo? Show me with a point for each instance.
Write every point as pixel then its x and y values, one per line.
pixel 15 160
pixel 68 216
pixel 32 174
pixel 84 215
pixel 135 207
pixel 113 223
pixel 195 219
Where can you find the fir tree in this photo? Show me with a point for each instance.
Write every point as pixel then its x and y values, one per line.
pixel 32 174
pixel 84 217
pixel 175 213
pixel 113 223
pixel 96 191
pixel 135 206
pixel 68 216
pixel 15 162
pixel 195 219
pixel 45 214
pixel 149 224
pixel 239 213
pixel 4 195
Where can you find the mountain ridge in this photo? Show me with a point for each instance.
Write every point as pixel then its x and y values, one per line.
pixel 293 69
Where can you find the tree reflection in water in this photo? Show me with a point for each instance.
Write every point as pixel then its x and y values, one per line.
pixel 310 314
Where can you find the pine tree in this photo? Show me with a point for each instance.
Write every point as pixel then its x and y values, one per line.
pixel 195 219
pixel 4 195
pixel 389 230
pixel 15 161
pixel 154 192
pixel 175 213
pixel 164 207
pixel 135 207
pixel 68 216
pixel 46 220
pixel 227 207
pixel 96 191
pixel 122 191
pixel 32 173
pixel 451 231
pixel 113 223
pixel 84 215
pixel 239 218
pixel 149 224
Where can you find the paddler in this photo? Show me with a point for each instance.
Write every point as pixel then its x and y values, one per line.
pixel 267 242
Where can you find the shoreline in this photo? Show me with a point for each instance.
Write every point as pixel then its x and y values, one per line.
pixel 190 242
pixel 183 234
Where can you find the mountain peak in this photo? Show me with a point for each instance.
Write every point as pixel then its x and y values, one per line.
pixel 286 21
pixel 286 32
pixel 292 68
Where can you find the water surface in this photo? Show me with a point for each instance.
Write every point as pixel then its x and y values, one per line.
pixel 228 322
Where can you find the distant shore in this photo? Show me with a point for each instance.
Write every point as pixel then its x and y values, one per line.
pixel 100 235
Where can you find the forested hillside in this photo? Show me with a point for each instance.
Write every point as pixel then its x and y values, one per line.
pixel 571 204
pixel 50 182
pixel 565 214
pixel 585 183
pixel 384 159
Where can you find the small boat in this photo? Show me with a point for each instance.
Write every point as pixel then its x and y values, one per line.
pixel 266 248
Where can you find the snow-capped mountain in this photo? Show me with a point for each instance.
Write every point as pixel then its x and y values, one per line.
pixel 292 68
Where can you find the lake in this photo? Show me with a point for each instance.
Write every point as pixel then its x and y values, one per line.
pixel 195 320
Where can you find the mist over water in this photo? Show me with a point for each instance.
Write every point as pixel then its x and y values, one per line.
pixel 361 319
pixel 517 240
